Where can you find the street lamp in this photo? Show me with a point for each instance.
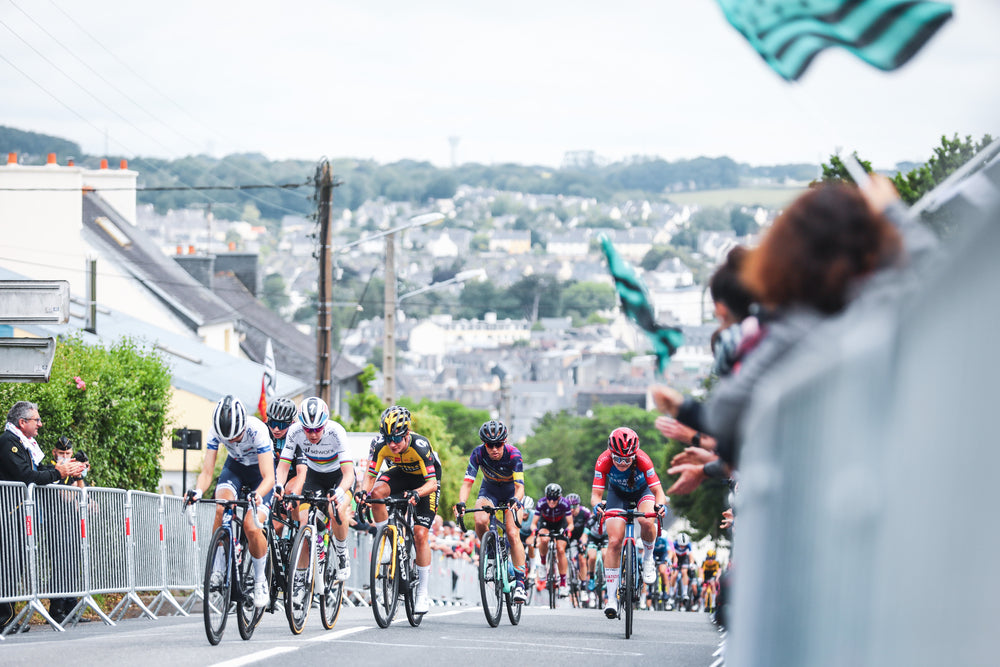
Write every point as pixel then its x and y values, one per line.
pixel 389 344
pixel 460 277
pixel 537 464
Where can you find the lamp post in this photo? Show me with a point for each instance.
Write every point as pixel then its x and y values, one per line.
pixel 537 464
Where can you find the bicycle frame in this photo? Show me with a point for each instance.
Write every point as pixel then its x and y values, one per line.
pixel 629 559
pixel 498 527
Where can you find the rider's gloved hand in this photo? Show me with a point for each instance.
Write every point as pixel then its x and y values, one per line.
pixel 600 507
pixel 459 509
pixel 279 490
pixel 338 495
pixel 412 497
pixel 661 510
pixel 192 496
pixel 360 496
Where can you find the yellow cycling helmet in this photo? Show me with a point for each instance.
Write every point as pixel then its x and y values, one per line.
pixel 395 422
pixel 710 554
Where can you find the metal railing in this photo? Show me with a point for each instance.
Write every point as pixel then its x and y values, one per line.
pixel 67 542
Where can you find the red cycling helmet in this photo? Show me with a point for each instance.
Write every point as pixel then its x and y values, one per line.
pixel 623 441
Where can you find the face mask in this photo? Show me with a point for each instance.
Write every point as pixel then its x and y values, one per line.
pixel 64 459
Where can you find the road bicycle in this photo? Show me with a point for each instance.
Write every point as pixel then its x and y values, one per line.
pixel 313 549
pixel 394 563
pixel 229 573
pixel 279 544
pixel 496 569
pixel 552 570
pixel 708 593
pixel 573 574
pixel 629 586
pixel 600 588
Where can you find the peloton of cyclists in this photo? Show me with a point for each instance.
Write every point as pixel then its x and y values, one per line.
pixel 627 474
pixel 552 515
pixel 251 464
pixel 503 484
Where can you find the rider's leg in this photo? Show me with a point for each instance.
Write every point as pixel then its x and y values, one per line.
pixel 516 548
pixel 563 564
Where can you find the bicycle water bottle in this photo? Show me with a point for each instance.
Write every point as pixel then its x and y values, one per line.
pixel 510 570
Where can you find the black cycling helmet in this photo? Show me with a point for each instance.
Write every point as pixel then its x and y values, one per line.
pixel 230 418
pixel 493 432
pixel 553 491
pixel 281 410
pixel 395 421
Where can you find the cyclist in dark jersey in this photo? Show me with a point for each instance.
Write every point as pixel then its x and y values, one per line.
pixel 280 415
pixel 578 538
pixel 628 475
pixel 503 484
pixel 552 515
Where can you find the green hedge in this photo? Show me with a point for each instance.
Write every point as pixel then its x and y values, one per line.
pixel 111 402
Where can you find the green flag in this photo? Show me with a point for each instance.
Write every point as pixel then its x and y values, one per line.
pixel 789 33
pixel 635 302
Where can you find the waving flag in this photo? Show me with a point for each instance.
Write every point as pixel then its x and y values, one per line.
pixel 268 382
pixel 635 302
pixel 789 33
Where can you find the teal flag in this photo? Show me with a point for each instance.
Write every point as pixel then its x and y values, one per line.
pixel 790 33
pixel 635 302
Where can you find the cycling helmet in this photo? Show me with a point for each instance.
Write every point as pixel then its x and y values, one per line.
pixel 314 412
pixel 553 492
pixel 683 539
pixel 623 441
pixel 281 410
pixel 574 499
pixel 710 553
pixel 395 421
pixel 230 417
pixel 528 503
pixel 493 432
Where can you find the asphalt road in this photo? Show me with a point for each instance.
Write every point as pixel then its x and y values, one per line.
pixel 451 635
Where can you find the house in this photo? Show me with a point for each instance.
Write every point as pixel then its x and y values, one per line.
pixel 512 242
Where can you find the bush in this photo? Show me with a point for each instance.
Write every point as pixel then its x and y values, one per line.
pixel 111 402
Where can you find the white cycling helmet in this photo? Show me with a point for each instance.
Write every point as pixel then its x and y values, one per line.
pixel 314 412
pixel 230 417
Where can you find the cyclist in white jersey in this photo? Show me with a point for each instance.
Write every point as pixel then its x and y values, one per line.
pixel 323 443
pixel 250 463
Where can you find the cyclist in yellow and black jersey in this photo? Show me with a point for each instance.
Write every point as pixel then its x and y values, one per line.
pixel 413 470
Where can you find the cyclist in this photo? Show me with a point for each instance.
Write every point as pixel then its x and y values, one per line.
pixel 527 537
pixel 597 539
pixel 503 484
pixel 682 551
pixel 578 537
pixel 628 475
pixel 662 558
pixel 413 470
pixel 552 515
pixel 280 415
pixel 329 468
pixel 709 575
pixel 249 463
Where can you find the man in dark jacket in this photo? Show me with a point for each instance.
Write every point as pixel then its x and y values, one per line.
pixel 19 459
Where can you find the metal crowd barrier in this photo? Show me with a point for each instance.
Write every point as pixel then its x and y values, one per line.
pixel 66 542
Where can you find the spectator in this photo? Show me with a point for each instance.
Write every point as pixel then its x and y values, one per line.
pixel 19 459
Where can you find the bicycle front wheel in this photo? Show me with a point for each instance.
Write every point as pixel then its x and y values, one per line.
pixel 384 580
pixel 333 591
pixel 551 583
pixel 247 615
pixel 215 606
pixel 626 593
pixel 490 578
pixel 299 587
pixel 513 608
pixel 409 579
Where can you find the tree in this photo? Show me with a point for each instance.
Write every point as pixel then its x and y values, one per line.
pixel 655 256
pixel 948 157
pixel 111 402
pixel 273 293
pixel 742 223
pixel 835 171
pixel 581 300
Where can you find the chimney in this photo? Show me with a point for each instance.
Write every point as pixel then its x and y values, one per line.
pixel 52 160
pixel 190 249
pixel 232 246
pixel 180 250
pixel 70 162
pixel 104 163
pixel 123 164
pixel 11 158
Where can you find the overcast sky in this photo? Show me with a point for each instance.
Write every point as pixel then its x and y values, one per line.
pixel 516 81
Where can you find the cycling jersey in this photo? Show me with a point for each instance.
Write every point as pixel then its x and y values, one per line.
pixel 683 553
pixel 323 456
pixel 710 568
pixel 418 459
pixel 631 481
pixel 661 550
pixel 256 440
pixel 580 522
pixel 507 470
pixel 526 525
pixel 555 514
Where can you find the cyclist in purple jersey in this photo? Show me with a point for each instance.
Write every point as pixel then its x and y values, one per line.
pixel 553 514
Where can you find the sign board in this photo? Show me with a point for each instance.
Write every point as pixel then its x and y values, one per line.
pixel 34 301
pixel 187 438
pixel 26 359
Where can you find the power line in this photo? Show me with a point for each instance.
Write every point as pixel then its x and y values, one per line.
pixel 169 188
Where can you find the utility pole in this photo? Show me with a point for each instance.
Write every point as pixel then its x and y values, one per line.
pixel 324 340
pixel 389 345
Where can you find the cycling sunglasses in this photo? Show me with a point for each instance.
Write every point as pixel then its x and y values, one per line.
pixel 278 425
pixel 312 430
pixel 396 439
pixel 492 445
pixel 622 460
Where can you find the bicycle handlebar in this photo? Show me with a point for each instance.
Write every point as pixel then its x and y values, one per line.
pixel 629 515
pixel 488 509
pixel 312 497
pixel 230 503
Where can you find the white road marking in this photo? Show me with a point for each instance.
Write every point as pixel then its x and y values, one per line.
pixel 339 633
pixel 256 657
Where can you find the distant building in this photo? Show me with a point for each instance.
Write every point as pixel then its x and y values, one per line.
pixel 513 242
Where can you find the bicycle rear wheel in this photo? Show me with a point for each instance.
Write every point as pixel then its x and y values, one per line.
pixel 215 606
pixel 626 595
pixel 247 615
pixel 409 581
pixel 384 581
pixel 552 583
pixel 299 587
pixel 333 591
pixel 490 578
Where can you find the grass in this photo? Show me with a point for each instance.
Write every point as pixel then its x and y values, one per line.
pixel 767 197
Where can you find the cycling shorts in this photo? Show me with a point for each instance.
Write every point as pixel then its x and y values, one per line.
pixel 399 481
pixel 619 500
pixel 682 560
pixel 235 476
pixel 497 494
pixel 322 481
pixel 552 526
pixel 597 542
